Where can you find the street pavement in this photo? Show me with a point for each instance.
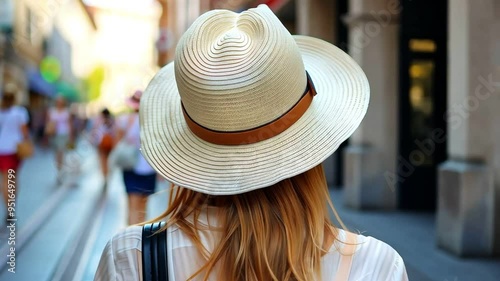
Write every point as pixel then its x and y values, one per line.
pixel 412 234
pixel 49 213
pixel 35 182
pixel 112 218
pixel 62 227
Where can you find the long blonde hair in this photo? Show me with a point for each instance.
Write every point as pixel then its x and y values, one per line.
pixel 275 233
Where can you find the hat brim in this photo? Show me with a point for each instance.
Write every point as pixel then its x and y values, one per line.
pixel 188 161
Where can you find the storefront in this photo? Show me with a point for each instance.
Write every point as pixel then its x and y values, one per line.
pixel 429 140
pixel 422 104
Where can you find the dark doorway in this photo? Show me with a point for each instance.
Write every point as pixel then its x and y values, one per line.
pixel 422 129
pixel 341 10
pixel 341 41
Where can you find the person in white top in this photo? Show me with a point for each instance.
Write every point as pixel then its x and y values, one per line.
pixel 140 181
pixel 59 128
pixel 240 123
pixel 13 129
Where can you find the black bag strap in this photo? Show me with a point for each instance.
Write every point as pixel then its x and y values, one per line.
pixel 154 252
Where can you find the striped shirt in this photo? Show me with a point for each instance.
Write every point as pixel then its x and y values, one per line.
pixel 373 260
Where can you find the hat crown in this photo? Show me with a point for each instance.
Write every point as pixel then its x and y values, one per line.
pixel 238 71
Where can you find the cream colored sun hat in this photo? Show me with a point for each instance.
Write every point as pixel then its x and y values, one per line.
pixel 249 116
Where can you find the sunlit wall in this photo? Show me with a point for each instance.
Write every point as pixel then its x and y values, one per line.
pixel 125 45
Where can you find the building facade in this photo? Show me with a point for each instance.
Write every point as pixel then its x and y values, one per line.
pixel 429 141
pixel 32 30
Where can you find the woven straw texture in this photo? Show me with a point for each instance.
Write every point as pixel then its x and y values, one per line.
pixel 236 72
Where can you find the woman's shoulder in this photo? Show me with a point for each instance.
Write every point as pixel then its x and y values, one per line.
pixel 19 110
pixel 373 256
pixel 126 239
pixel 129 238
pixel 370 247
pixel 119 257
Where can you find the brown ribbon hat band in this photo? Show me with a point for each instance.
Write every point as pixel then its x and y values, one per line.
pixel 260 133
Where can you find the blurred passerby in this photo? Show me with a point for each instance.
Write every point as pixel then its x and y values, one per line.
pixel 104 135
pixel 164 38
pixel 13 130
pixel 39 119
pixel 140 181
pixel 59 128
pixel 78 121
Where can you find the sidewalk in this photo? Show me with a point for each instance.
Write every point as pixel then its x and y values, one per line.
pixel 62 229
pixel 111 219
pixel 50 216
pixel 35 182
pixel 413 236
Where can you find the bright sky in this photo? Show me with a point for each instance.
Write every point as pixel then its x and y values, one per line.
pixel 120 4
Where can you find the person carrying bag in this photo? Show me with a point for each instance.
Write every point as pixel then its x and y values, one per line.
pixel 125 153
pixel 139 177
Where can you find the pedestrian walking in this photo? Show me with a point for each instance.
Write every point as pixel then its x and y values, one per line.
pixel 240 122
pixel 59 129
pixel 140 178
pixel 13 130
pixel 104 135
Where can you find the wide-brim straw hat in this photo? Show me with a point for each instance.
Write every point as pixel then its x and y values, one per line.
pixel 134 100
pixel 249 116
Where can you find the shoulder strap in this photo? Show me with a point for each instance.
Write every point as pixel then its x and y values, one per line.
pixel 154 252
pixel 346 257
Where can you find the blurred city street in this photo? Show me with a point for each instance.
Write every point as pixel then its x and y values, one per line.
pixel 421 172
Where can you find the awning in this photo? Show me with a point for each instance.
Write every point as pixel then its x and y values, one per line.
pixel 38 84
pixel 68 91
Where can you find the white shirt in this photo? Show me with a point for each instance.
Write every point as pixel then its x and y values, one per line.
pixel 373 260
pixel 130 125
pixel 11 120
pixel 61 118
